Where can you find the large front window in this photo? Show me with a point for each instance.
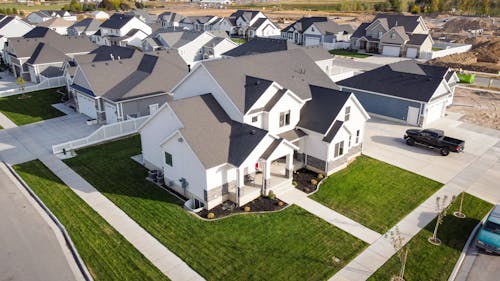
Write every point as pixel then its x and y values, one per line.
pixel 339 149
pixel 285 118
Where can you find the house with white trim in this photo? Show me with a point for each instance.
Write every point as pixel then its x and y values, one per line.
pixel 87 26
pixel 122 30
pixel 326 33
pixel 250 24
pixel 405 91
pixel 238 128
pixel 45 15
pixel 59 25
pixel 394 35
pixel 169 19
pixel 11 26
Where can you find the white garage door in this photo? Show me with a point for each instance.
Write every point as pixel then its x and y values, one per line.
pixel 411 53
pixel 86 105
pixel 391 51
pixel 110 110
pixel 434 112
pixel 312 41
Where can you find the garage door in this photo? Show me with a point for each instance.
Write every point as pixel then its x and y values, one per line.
pixel 391 51
pixel 434 112
pixel 312 41
pixel 86 105
pixel 411 53
pixel 110 110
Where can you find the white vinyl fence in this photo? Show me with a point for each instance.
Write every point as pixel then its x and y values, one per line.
pixel 446 49
pixel 337 45
pixel 103 134
pixel 45 83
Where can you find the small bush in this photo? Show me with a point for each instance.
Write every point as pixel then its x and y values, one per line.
pixel 314 182
pixel 211 216
pixel 307 190
pixel 247 209
pixel 466 78
pixel 320 176
pixel 295 183
pixel 271 195
pixel 280 203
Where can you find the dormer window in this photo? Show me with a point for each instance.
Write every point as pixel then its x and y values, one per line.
pixel 379 34
pixel 285 118
pixel 393 35
pixel 347 113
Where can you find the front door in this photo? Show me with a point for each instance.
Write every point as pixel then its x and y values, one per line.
pixel 412 116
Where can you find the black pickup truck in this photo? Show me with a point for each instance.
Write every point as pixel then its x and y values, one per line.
pixel 434 138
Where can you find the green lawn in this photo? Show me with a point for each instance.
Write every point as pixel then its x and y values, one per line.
pixel 348 53
pixel 107 255
pixel 374 193
pixel 288 245
pixel 436 49
pixel 32 107
pixel 239 40
pixel 429 262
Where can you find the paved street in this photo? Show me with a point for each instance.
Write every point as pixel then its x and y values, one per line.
pixel 30 249
pixel 479 265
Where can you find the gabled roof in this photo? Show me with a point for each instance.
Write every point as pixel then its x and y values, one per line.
pixel 320 112
pixel 86 25
pixel 178 39
pixel 106 53
pixel 331 27
pixel 45 53
pixel 56 22
pixel 215 138
pixel 258 23
pixel 248 15
pixel 170 17
pixel 405 79
pixel 302 24
pixel 140 13
pixel 417 39
pixel 141 75
pixel 292 69
pixel 5 20
pixel 333 131
pixel 408 22
pixel 361 30
pixel 117 21
pixel 260 45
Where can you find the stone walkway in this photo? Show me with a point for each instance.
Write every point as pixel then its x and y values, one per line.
pixel 299 198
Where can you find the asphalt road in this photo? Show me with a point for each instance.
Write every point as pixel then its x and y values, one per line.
pixel 29 249
pixel 486 267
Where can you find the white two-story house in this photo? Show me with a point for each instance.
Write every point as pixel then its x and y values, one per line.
pixel 122 30
pixel 252 24
pixel 239 127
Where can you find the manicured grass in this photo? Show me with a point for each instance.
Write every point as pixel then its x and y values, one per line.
pixel 239 40
pixel 374 193
pixel 436 49
pixel 348 53
pixel 288 245
pixel 107 255
pixel 429 262
pixel 32 107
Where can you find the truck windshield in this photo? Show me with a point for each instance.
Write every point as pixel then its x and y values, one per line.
pixel 492 227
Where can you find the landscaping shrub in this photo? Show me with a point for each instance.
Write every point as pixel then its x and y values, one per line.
pixel 295 183
pixel 247 209
pixel 280 203
pixel 320 176
pixel 314 182
pixel 271 195
pixel 466 78
pixel 211 216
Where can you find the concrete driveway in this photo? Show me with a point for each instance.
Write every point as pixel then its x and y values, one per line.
pixel 476 169
pixel 25 143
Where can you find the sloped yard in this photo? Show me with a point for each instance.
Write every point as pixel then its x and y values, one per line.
pixel 429 262
pixel 287 245
pixel 32 107
pixel 107 255
pixel 374 193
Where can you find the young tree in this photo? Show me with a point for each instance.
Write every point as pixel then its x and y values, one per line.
pixel 398 242
pixel 21 83
pixel 441 208
pixel 459 213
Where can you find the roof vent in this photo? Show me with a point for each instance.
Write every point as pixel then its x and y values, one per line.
pixel 257 82
pixel 253 132
pixel 93 65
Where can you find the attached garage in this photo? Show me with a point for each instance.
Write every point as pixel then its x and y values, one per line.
pixel 86 105
pixel 392 51
pixel 434 111
pixel 411 52
pixel 311 41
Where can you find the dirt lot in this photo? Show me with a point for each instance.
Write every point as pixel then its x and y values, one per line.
pixel 479 107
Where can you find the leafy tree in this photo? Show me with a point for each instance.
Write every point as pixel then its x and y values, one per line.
pixel 485 5
pixel 434 7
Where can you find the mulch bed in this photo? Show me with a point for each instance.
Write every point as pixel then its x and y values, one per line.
pixel 261 204
pixel 303 178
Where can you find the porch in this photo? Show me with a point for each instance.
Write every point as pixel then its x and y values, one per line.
pixel 368 46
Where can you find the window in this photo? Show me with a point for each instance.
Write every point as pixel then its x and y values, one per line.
pixel 168 159
pixel 357 136
pixel 284 118
pixel 349 143
pixel 312 28
pixel 339 149
pixel 255 119
pixel 347 113
pixel 393 35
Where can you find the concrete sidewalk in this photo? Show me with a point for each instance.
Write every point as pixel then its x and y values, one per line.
pixel 5 122
pixel 166 261
pixel 299 198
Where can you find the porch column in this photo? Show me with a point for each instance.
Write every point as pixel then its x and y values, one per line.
pixel 267 176
pixel 289 166
pixel 240 182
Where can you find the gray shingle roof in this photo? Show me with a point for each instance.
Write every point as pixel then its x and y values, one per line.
pixel 389 21
pixel 292 69
pixel 326 27
pixel 117 21
pixel 333 131
pixel 106 53
pixel 258 23
pixel 5 20
pixel 320 112
pixel 418 39
pixel 302 24
pixel 86 25
pixel 292 135
pixel 260 46
pixel 45 53
pixel 213 136
pixel 141 75
pixel 178 39
pixel 405 79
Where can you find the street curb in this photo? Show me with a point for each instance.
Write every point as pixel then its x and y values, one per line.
pixel 62 229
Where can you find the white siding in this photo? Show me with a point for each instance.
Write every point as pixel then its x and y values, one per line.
pixel 287 102
pixel 224 46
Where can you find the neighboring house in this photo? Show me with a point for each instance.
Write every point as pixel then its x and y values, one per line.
pixel 268 45
pixel 143 16
pixel 295 31
pixel 45 15
pixel 99 15
pixel 120 89
pixel 122 30
pixel 59 25
pixel 393 35
pixel 199 23
pixel 169 19
pixel 326 33
pixel 192 46
pixel 239 127
pixel 250 24
pixel 87 26
pixel 406 91
pixel 11 26
pixel 41 53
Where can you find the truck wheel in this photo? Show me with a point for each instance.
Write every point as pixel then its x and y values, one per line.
pixel 445 151
pixel 410 142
